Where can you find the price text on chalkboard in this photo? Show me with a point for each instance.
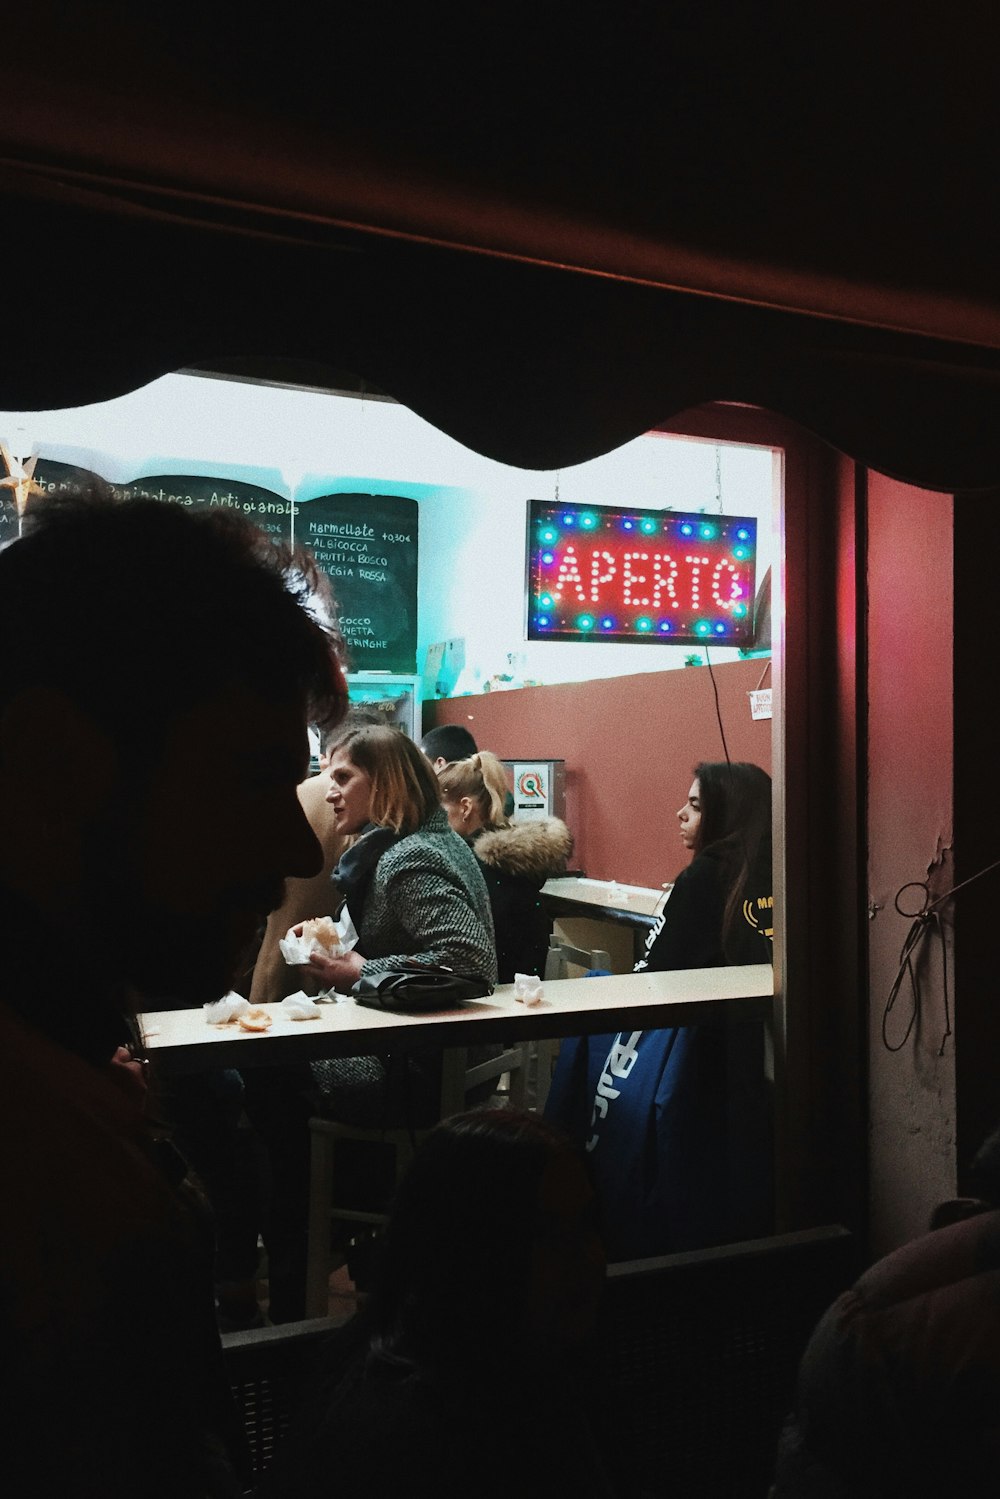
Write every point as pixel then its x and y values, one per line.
pixel 367 546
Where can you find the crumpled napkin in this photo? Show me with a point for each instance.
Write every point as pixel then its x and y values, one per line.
pixel 230 1007
pixel 298 1006
pixel 528 989
pixel 300 949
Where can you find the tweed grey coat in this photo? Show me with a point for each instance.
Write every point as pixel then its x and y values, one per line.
pixel 428 901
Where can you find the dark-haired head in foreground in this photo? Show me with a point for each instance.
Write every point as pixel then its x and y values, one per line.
pixel 477 1338
pixel 157 673
pixel 493 1227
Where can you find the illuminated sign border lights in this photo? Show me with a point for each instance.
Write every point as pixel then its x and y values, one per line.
pixel 663 589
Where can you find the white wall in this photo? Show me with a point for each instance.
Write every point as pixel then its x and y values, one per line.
pixel 472 509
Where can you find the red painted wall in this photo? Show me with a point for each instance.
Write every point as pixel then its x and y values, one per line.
pixel 629 744
pixel 911 1092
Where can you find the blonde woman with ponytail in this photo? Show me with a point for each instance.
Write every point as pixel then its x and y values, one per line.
pixel 516 858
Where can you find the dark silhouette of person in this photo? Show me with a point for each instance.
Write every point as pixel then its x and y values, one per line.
pixel 477 1365
pixel 898 1390
pixel 247 1135
pixel 144 648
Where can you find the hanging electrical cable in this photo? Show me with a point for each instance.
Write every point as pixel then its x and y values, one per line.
pixel 925 920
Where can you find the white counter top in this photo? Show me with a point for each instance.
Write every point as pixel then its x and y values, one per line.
pixel 182 1041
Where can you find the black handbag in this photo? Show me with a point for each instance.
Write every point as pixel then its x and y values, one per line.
pixel 418 988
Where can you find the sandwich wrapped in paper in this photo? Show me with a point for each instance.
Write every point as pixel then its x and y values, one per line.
pixel 322 936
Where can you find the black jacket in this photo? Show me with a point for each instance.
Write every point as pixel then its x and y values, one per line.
pixel 688 933
pixel 516 862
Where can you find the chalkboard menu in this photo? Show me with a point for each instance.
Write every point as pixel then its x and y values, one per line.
pixel 269 511
pixel 367 546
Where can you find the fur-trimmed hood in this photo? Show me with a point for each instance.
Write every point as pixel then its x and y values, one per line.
pixel 537 850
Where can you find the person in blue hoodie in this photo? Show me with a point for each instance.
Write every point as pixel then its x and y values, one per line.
pixel 676 1122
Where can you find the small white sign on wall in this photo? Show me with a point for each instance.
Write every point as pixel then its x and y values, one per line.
pixel 760 703
pixel 539 788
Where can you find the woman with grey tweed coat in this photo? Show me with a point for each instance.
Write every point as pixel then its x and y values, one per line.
pixel 414 890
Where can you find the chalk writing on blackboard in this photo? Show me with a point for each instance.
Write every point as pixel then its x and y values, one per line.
pixel 270 511
pixel 367 546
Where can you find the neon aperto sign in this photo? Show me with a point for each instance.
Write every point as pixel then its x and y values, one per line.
pixel 625 574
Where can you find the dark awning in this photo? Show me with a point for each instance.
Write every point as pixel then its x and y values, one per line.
pixel 544 233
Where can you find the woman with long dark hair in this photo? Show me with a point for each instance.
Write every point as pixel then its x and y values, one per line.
pixel 719 911
pixel 677 1122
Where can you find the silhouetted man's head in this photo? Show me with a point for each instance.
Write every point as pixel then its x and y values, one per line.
pixel 157 673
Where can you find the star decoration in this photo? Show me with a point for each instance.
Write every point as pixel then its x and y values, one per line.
pixel 20 478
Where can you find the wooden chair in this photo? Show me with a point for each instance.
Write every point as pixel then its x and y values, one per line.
pixel 561 954
pixel 459 1079
pixel 540 1056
